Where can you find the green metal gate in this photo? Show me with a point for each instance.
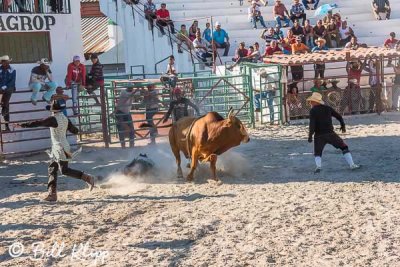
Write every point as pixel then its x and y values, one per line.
pixel 266 84
pixel 220 93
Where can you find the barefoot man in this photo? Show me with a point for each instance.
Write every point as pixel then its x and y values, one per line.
pixel 60 149
pixel 322 129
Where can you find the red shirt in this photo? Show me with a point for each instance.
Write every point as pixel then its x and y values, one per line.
pixel 269 51
pixel 355 74
pixel 391 43
pixel 76 74
pixel 162 13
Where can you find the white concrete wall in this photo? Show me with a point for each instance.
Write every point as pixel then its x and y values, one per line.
pixel 140 47
pixel 116 52
pixel 65 37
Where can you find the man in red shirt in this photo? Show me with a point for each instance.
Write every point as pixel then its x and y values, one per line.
pixel 391 44
pixel 273 48
pixel 163 19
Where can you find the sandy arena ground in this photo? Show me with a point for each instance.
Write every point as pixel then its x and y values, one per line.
pixel 271 210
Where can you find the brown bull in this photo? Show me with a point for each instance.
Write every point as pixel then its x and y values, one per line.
pixel 205 138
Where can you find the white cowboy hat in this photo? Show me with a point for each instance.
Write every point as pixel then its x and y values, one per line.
pixel 44 61
pixel 316 97
pixel 320 40
pixel 5 58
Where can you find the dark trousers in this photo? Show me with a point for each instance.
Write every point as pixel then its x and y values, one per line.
pixel 315 2
pixel 149 118
pixel 223 45
pixel 302 16
pixel 5 104
pixel 319 70
pixel 297 72
pixel 55 166
pixel 150 18
pixel 125 127
pixel 330 138
pixel 56 5
pixel 164 23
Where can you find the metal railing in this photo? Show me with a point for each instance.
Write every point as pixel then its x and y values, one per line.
pixel 36 6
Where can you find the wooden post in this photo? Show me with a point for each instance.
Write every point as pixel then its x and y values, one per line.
pixel 379 72
pixel 104 124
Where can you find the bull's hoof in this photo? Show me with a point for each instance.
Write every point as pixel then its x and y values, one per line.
pixel 188 165
pixel 189 179
pixel 214 181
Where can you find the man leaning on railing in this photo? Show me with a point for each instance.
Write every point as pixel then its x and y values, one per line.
pixel 7 87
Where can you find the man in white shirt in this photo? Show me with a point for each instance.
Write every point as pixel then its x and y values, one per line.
pixel 200 48
pixel 255 15
pixel 172 73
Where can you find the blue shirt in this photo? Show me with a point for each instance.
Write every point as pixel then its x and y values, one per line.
pixel 220 36
pixel 316 48
pixel 7 77
pixel 207 35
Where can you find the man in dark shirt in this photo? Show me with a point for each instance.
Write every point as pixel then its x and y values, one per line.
pixel 60 151
pixel 322 129
pixel 179 107
pixel 7 87
pixel 381 6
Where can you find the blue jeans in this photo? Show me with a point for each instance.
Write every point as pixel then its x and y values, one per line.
pixel 125 127
pixel 269 95
pixel 36 87
pixel 315 2
pixel 279 20
pixel 75 95
pixel 261 19
pixel 396 96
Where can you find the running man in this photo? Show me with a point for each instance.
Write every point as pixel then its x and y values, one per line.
pixel 179 107
pixel 322 128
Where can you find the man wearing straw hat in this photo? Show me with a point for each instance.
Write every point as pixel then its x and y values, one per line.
pixel 60 153
pixel 321 128
pixel 7 87
pixel 39 75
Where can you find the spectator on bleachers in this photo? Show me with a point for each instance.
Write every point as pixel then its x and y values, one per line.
pixel 299 47
pixel 252 55
pixel 297 12
pixel 353 44
pixel 164 19
pixel 240 52
pixel 219 37
pixel 332 33
pixel 76 80
pixel 308 34
pixel 255 15
pixel 37 81
pixel 268 35
pixel 150 12
pixel 123 116
pixel 207 33
pixel 327 19
pixel 396 88
pixel 391 43
pixel 309 2
pixel 7 87
pixel 279 12
pixel 338 20
pixel 319 30
pixel 288 41
pixel 381 6
pixel 256 55
pixel 272 49
pixel 297 29
pixel 278 32
pixel 95 78
pixel 259 2
pixel 183 37
pixel 193 30
pixel 201 50
pixel 319 69
pixel 346 33
pixel 317 88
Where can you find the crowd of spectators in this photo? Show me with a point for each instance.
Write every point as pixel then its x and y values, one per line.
pixel 29 6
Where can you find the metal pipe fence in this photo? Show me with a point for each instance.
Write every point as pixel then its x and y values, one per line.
pixel 36 6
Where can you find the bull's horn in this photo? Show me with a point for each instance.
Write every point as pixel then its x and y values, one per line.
pixel 230 114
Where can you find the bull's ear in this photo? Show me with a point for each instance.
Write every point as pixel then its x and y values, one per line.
pixel 230 114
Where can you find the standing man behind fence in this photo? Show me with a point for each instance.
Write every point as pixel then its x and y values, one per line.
pixel 179 107
pixel 7 87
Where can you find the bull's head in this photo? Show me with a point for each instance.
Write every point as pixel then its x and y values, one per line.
pixel 237 125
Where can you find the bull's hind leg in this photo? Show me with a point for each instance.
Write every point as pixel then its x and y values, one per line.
pixel 176 152
pixel 213 166
pixel 193 166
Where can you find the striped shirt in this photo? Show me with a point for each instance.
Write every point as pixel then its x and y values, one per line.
pixel 297 9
